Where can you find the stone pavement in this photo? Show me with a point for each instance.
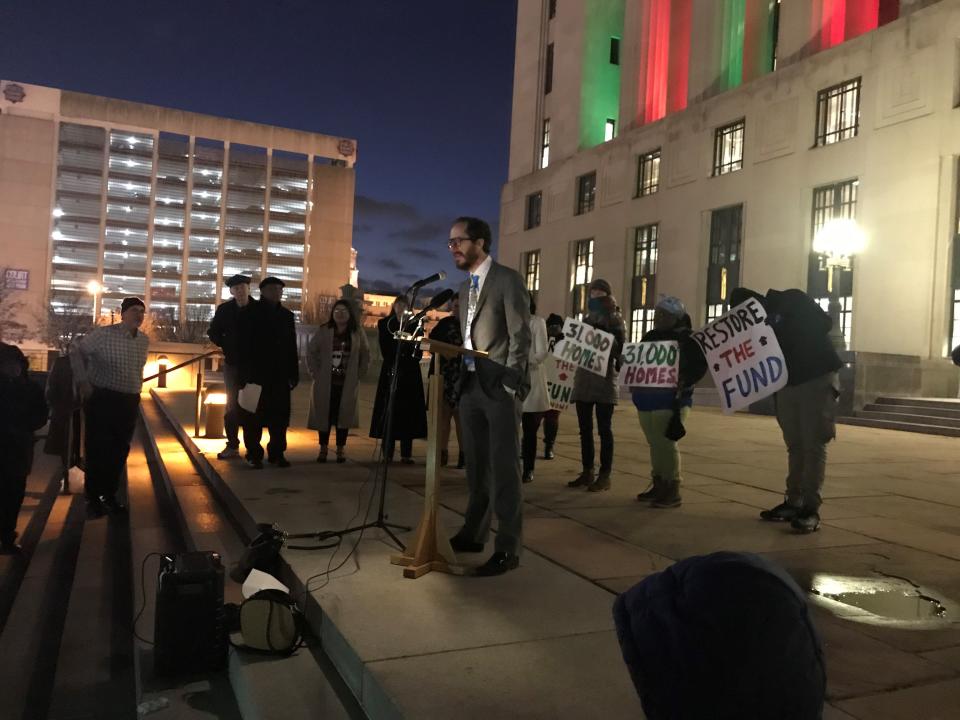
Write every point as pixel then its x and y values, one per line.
pixel 892 509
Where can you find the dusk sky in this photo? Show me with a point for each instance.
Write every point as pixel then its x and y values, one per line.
pixel 423 85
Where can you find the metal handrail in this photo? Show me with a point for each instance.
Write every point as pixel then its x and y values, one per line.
pixel 183 364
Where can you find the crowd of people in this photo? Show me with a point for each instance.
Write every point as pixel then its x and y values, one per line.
pixel 495 401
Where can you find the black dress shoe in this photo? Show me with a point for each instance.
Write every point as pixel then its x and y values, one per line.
pixel 10 548
pixel 498 564
pixel 465 546
pixel 95 508
pixel 281 462
pixel 255 464
pixel 113 506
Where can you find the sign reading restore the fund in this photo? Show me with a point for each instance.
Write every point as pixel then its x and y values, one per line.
pixel 585 346
pixel 560 375
pixel 743 355
pixel 651 364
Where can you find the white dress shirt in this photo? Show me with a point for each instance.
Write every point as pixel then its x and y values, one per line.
pixel 481 273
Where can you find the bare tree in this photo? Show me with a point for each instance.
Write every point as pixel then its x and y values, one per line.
pixel 60 327
pixel 11 330
pixel 192 327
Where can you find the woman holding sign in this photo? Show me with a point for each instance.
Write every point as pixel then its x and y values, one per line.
pixel 662 409
pixel 598 394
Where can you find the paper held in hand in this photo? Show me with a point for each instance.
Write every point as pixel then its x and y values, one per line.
pixel 743 355
pixel 249 397
pixel 651 364
pixel 585 346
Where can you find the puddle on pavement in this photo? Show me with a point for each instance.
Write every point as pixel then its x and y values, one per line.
pixel 891 599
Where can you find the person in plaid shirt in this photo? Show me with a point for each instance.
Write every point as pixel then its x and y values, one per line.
pixel 108 370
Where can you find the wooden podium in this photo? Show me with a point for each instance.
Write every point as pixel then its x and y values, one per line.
pixel 430 549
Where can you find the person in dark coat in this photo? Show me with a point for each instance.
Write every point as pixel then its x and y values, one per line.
pixel 598 394
pixel 658 407
pixel 410 409
pixel 807 406
pixel 726 636
pixel 64 409
pixel 24 412
pixel 270 360
pixel 225 331
pixel 447 330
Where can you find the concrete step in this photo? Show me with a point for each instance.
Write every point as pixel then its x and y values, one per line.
pixel 929 411
pixel 900 425
pixel 914 418
pixel 942 403
pixel 304 685
pixel 30 643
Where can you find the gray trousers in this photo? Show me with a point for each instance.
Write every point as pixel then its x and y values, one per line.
pixel 807 414
pixel 491 448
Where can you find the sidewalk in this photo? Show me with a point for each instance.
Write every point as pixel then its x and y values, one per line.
pixel 538 642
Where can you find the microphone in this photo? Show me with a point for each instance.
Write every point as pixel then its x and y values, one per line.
pixel 441 298
pixel 436 277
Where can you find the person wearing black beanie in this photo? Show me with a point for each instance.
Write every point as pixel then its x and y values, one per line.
pixel 725 636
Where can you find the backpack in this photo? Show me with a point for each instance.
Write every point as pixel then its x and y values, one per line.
pixel 270 622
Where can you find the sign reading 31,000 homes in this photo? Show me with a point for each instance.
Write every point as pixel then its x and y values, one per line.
pixel 585 346
pixel 743 355
pixel 651 364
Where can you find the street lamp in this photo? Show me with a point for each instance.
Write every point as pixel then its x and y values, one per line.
pixel 837 242
pixel 94 288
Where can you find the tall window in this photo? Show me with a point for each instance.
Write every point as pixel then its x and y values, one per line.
pixel 728 148
pixel 609 130
pixel 545 144
pixel 614 51
pixel 723 272
pixel 581 276
pixel 548 71
pixel 838 113
pixel 552 9
pixel 832 201
pixel 643 291
pixel 955 275
pixel 648 173
pixel 774 34
pixel 534 204
pixel 586 192
pixel 531 273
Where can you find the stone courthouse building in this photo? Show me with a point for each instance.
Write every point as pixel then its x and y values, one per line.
pixel 690 146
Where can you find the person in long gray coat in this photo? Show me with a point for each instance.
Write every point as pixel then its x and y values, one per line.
pixel 338 357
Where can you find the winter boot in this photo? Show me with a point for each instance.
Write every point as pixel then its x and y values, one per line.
pixel 601 483
pixel 669 495
pixel 585 479
pixel 651 492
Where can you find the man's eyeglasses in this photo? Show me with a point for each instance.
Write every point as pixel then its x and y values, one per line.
pixel 455 242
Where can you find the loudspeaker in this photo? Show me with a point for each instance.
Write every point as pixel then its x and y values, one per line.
pixel 189 628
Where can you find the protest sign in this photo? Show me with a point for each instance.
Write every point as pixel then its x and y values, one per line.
pixel 651 364
pixel 743 355
pixel 585 346
pixel 560 374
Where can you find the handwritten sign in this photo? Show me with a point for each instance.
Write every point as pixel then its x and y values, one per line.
pixel 585 346
pixel 560 375
pixel 743 355
pixel 652 364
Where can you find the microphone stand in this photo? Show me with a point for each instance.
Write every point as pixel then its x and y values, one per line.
pixel 381 520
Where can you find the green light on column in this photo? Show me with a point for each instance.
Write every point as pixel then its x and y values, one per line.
pixel 600 88
pixel 731 48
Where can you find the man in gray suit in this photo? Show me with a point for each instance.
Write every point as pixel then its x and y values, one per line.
pixel 495 318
